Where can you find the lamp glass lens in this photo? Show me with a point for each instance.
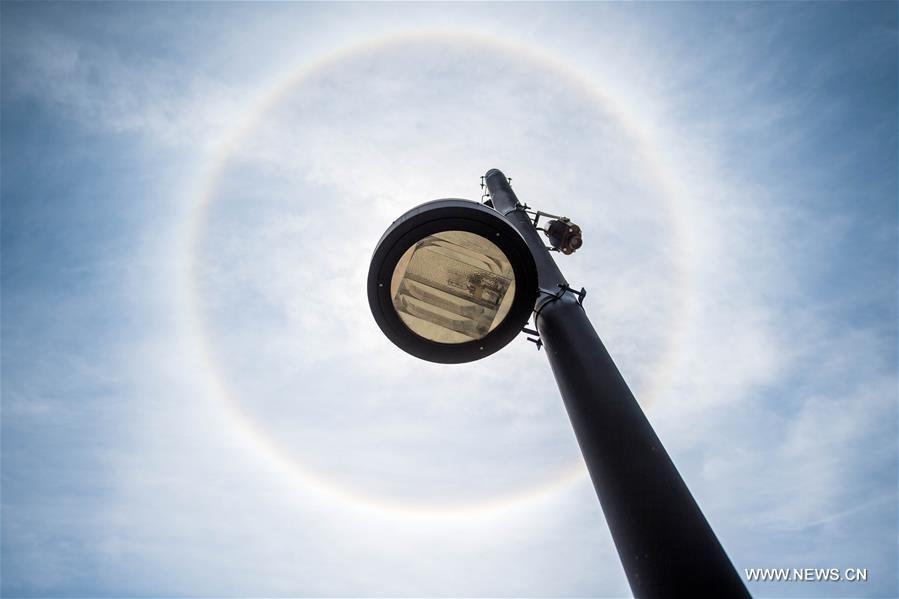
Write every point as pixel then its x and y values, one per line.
pixel 453 287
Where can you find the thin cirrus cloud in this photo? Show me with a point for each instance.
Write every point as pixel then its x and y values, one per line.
pixel 195 398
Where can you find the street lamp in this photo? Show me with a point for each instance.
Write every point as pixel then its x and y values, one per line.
pixel 454 280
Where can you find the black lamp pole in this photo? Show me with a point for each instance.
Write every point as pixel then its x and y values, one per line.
pixel 665 544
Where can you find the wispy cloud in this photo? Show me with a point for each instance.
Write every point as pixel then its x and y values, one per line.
pixel 733 264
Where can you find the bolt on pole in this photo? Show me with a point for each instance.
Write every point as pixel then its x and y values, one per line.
pixel 664 542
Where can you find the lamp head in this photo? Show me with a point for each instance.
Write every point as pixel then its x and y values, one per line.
pixel 451 281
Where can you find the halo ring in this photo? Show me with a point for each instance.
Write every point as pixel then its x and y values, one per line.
pixel 306 480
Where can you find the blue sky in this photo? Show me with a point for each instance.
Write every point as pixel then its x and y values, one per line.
pixel 197 402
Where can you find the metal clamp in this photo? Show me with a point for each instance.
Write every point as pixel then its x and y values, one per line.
pixel 557 295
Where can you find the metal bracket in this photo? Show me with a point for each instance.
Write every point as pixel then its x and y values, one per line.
pixel 537 214
pixel 535 340
pixel 580 294
pixel 485 193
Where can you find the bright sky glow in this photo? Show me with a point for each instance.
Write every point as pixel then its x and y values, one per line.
pixel 196 400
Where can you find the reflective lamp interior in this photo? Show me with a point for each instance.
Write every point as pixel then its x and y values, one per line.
pixel 453 287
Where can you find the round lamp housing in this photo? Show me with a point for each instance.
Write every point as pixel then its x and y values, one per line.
pixel 452 281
